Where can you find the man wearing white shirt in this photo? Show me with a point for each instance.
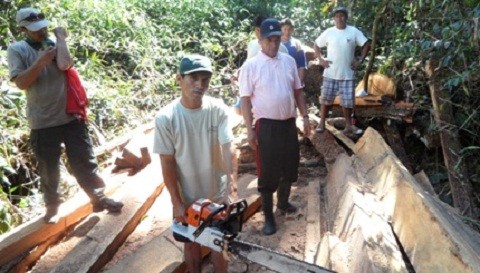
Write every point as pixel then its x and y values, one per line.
pixel 339 66
pixel 271 91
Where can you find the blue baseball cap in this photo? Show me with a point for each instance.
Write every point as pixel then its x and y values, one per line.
pixel 270 27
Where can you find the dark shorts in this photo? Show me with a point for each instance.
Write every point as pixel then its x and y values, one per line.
pixel 277 153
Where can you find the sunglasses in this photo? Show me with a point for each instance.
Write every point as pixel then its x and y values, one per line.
pixel 33 17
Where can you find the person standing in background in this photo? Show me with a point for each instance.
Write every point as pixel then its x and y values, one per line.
pixel 294 47
pixel 271 92
pixel 37 65
pixel 339 66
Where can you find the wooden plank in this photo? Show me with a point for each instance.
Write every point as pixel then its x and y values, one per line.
pixel 417 217
pixel 362 238
pixel 94 241
pixel 313 222
pixel 371 107
pixel 35 232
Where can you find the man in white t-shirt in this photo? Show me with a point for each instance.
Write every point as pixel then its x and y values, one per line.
pixel 339 66
pixel 193 137
pixel 271 92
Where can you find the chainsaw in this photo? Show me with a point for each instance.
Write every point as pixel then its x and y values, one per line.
pixel 216 226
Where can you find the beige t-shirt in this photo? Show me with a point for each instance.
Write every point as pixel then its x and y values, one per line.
pixel 47 96
pixel 195 137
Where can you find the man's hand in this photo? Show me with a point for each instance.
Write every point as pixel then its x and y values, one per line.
pixel 324 63
pixel 45 57
pixel 252 139
pixel 356 64
pixel 61 33
pixel 179 213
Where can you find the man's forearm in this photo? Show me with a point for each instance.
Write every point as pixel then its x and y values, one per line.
pixel 170 178
pixel 64 60
pixel 300 101
pixel 27 77
pixel 247 112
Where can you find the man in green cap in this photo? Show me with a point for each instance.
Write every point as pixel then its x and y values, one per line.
pixel 193 137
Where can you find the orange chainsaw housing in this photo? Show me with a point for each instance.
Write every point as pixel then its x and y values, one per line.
pixel 201 209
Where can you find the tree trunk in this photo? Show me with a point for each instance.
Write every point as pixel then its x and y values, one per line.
pixel 368 70
pixel 460 186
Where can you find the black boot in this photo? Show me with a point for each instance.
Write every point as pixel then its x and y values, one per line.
pixel 283 193
pixel 267 206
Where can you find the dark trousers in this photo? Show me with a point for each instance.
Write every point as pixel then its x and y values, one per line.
pixel 278 153
pixel 46 144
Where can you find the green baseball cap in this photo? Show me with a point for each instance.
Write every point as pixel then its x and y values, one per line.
pixel 195 63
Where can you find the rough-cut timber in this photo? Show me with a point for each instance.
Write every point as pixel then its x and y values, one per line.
pixel 35 232
pixel 96 239
pixel 433 236
pixel 360 238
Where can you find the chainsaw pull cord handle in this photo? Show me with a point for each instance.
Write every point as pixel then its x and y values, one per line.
pixel 208 220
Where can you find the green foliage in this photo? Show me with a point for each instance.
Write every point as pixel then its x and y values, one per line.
pixel 127 54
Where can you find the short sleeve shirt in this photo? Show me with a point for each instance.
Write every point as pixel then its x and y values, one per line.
pixel 254 47
pixel 295 49
pixel 270 83
pixel 194 137
pixel 47 96
pixel 340 45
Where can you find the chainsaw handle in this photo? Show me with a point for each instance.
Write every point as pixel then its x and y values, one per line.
pixel 208 220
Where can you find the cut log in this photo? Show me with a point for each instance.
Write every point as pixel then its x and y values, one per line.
pixel 423 225
pixel 363 239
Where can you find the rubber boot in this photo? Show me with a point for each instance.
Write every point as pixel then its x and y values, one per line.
pixel 283 193
pixel 267 206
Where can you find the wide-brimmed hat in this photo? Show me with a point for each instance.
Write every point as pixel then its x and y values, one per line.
pixel 31 19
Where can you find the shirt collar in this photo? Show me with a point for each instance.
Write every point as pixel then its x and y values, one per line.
pixel 263 56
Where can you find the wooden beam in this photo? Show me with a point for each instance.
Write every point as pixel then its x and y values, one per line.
pixel 94 241
pixel 35 232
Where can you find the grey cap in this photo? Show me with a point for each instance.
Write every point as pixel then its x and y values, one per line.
pixel 31 19
pixel 340 9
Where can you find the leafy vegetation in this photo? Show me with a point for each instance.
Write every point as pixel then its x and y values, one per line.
pixel 127 53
